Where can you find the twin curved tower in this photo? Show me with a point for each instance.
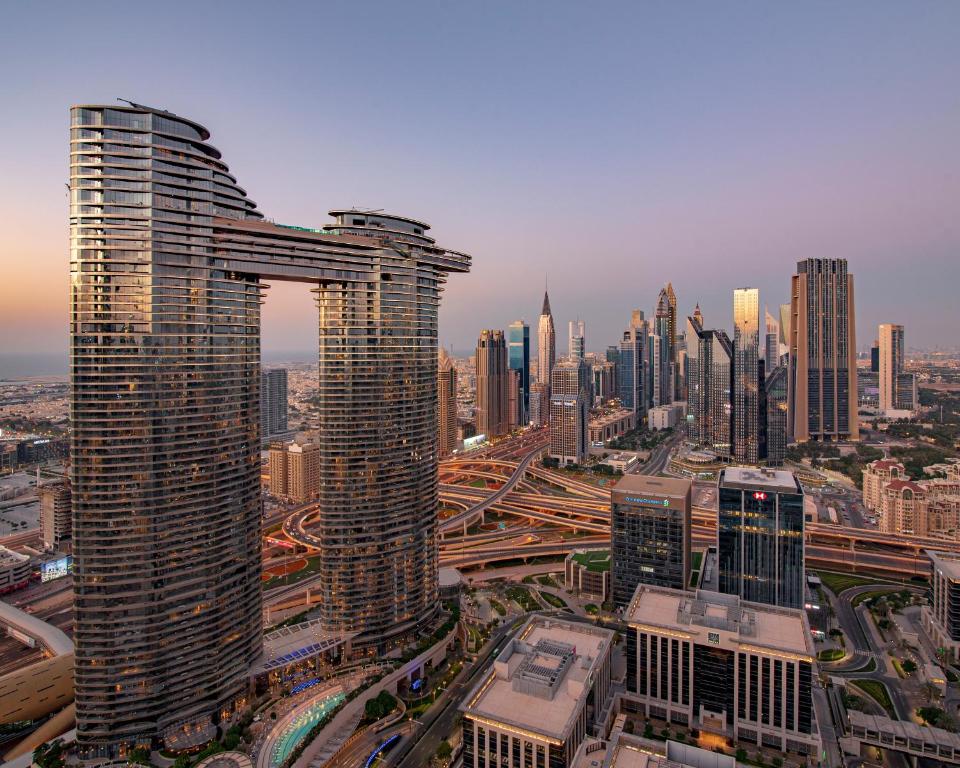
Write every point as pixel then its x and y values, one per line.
pixel 167 258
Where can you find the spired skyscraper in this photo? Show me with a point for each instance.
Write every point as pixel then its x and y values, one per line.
pixel 546 344
pixel 577 342
pixel 167 257
pixel 822 382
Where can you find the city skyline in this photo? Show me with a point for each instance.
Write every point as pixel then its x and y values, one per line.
pixel 751 158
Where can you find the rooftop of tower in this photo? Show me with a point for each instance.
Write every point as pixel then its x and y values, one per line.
pixel 546 304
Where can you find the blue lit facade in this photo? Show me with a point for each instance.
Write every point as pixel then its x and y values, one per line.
pixel 518 358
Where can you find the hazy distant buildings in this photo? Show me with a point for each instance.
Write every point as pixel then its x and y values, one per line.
pixel 273 403
pixel 746 376
pixel 577 342
pixel 604 381
pixel 56 524
pixel 649 534
pixel 518 357
pixel 569 411
pixel 760 536
pixel 446 404
pixel 822 381
pixel 493 385
pixel 546 344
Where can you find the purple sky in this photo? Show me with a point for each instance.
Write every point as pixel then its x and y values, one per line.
pixel 610 146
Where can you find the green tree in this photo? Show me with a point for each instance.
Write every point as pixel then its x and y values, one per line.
pixel 444 750
pixel 909 666
pixel 182 761
pixel 50 754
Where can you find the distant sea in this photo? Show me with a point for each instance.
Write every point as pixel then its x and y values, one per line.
pixel 15 365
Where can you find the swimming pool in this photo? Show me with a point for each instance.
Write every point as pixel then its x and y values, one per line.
pixel 296 729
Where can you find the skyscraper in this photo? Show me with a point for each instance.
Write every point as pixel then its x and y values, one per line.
pixel 576 345
pixel 746 379
pixel 649 534
pixel 775 388
pixel 673 334
pixel 771 341
pixel 56 524
pixel 891 365
pixel 823 353
pixel 447 404
pixel 167 258
pixel 546 343
pixel 661 362
pixel 630 370
pixel 514 399
pixel 710 376
pixel 493 386
pixel 760 536
pixel 568 411
pixel 273 403
pixel 539 404
pixel 518 355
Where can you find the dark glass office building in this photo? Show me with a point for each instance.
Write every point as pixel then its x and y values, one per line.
pixel 649 534
pixel 518 353
pixel 760 537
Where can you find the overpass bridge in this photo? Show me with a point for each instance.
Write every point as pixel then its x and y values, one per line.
pixel 902 736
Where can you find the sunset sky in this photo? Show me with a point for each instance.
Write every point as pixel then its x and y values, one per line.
pixel 607 147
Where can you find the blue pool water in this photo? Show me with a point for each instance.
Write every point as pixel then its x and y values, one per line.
pixel 297 728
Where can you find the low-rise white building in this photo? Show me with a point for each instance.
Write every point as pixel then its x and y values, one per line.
pixel 717 664
pixel 530 707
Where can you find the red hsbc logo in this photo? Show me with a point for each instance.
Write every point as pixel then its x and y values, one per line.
pixel 759 496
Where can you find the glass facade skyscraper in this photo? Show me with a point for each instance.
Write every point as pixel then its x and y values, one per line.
pixel 746 376
pixel 518 356
pixel 630 371
pixel 760 536
pixel 649 534
pixel 167 258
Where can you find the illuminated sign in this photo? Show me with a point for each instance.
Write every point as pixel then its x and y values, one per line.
pixel 417 684
pixel 713 637
pixel 56 569
pixel 759 496
pixel 652 502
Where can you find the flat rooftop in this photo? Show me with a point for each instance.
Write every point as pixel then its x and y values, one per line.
pixel 948 563
pixel 541 679
pixel 656 486
pixel 780 629
pixel 749 478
